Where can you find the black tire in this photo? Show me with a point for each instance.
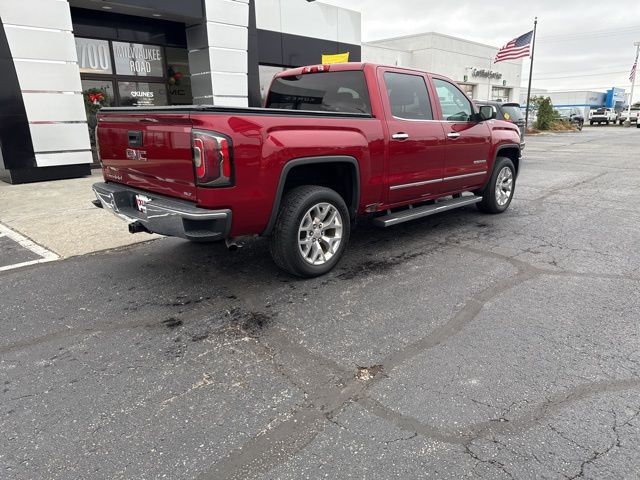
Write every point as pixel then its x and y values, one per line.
pixel 591 122
pixel 489 202
pixel 285 237
pixel 607 122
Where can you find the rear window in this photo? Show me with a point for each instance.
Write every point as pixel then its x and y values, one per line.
pixel 511 113
pixel 326 92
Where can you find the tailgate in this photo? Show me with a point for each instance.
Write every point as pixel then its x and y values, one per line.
pixel 148 151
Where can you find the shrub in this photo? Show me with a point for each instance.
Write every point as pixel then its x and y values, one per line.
pixel 546 114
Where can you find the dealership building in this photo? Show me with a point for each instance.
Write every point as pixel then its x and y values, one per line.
pixel 62 60
pixel 469 63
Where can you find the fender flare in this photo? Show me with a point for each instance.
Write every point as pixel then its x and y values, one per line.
pixel 291 164
pixel 495 157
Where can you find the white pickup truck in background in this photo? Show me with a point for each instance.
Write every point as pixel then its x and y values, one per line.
pixel 602 115
pixel 633 117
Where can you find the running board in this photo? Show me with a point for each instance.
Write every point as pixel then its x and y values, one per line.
pixel 424 211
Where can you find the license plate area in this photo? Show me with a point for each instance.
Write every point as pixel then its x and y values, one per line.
pixel 141 202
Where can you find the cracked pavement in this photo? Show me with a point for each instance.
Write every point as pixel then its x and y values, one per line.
pixel 462 345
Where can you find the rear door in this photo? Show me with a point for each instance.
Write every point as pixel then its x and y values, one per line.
pixel 149 151
pixel 468 142
pixel 416 141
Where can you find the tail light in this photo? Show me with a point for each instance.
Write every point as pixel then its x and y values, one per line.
pixel 95 135
pixel 212 159
pixel 315 69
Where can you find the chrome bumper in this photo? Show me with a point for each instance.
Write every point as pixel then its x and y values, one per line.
pixel 163 215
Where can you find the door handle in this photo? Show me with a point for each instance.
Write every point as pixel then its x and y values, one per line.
pixel 400 136
pixel 453 135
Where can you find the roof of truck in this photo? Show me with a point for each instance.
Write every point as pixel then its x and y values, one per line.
pixel 341 67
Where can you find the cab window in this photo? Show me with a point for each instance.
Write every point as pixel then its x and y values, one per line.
pixel 408 96
pixel 456 107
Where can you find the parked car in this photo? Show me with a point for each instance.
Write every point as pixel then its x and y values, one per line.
pixel 510 112
pixel 633 118
pixel 602 115
pixel 572 115
pixel 336 143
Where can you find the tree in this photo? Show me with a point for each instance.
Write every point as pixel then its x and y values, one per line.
pixel 546 115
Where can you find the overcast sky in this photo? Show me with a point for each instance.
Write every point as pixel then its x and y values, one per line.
pixel 589 42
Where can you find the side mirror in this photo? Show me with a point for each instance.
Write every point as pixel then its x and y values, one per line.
pixel 486 113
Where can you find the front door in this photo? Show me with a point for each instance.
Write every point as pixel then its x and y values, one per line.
pixel 468 141
pixel 416 142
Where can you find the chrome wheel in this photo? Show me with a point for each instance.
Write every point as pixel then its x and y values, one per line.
pixel 504 186
pixel 320 233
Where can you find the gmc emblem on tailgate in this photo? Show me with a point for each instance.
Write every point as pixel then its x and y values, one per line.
pixel 136 154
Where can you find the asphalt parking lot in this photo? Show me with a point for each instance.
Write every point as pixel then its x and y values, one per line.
pixel 458 346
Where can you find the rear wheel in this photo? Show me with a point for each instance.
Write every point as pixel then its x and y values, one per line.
pixel 311 232
pixel 497 195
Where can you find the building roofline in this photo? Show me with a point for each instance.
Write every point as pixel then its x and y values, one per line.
pixel 413 35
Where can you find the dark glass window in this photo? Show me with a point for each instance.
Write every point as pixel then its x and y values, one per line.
pixel 142 94
pixel 325 91
pixel 455 105
pixel 408 96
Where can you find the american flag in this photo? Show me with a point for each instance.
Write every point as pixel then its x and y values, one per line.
pixel 632 76
pixel 516 48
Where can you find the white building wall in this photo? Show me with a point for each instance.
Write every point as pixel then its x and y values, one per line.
pixel 449 56
pixel 386 55
pixel 315 19
pixel 218 54
pixel 41 40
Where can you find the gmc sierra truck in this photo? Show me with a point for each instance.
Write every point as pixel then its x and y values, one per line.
pixel 334 143
pixel 602 115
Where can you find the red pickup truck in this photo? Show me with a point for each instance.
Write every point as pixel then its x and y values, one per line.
pixel 335 143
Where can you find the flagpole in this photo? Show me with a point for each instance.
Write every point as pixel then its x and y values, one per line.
pixel 533 49
pixel 633 83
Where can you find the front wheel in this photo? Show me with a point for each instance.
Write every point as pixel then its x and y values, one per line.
pixel 497 195
pixel 311 232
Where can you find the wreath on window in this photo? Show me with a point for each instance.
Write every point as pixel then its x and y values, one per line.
pixel 95 99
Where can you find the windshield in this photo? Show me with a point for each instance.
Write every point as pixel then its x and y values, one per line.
pixel 327 91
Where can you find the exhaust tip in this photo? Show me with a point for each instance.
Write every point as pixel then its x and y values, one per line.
pixel 232 244
pixel 137 227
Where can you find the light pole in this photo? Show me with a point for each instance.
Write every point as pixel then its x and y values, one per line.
pixel 627 122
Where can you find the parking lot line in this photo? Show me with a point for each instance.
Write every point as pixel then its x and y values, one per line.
pixel 44 254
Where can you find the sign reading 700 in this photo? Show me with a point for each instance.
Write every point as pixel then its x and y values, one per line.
pixel 93 55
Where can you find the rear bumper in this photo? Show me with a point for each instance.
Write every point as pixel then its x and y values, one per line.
pixel 163 215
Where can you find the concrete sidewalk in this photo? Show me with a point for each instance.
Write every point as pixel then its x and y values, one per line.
pixel 59 216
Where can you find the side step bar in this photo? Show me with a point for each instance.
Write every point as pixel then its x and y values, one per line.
pixel 424 211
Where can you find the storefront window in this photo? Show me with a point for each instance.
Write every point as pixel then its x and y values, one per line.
pixel 97 94
pixel 499 94
pixel 467 88
pixel 142 94
pixel 137 59
pixel 178 76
